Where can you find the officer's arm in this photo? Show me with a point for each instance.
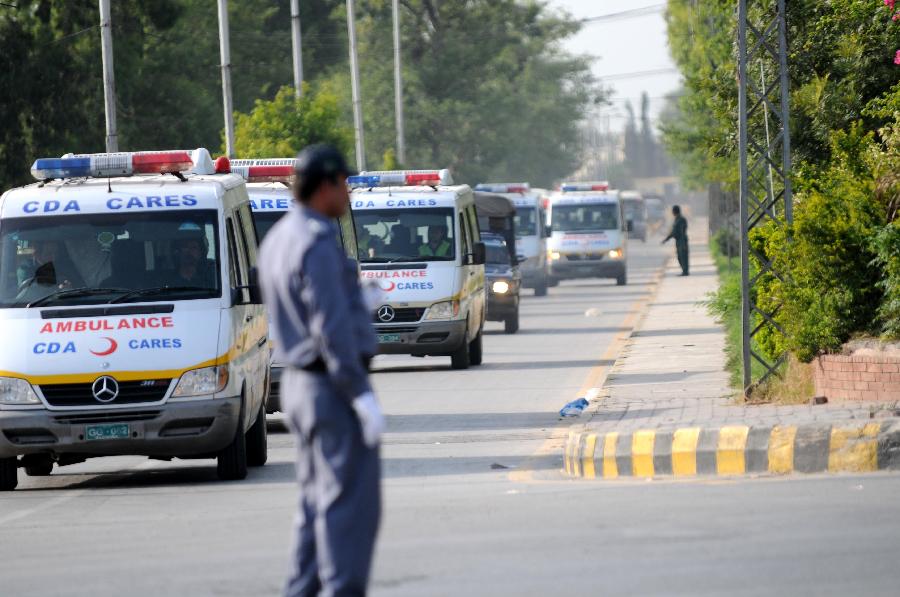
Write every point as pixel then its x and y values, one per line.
pixel 330 320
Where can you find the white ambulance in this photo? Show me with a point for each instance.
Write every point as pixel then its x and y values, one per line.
pixel 419 240
pixel 531 232
pixel 131 317
pixel 589 233
pixel 269 187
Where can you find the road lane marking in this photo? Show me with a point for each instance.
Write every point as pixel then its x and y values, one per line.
pixel 596 379
pixel 51 503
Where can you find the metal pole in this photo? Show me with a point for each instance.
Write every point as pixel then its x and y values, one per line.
pixel 109 79
pixel 354 87
pixel 771 178
pixel 225 51
pixel 398 88
pixel 785 115
pixel 297 46
pixel 744 186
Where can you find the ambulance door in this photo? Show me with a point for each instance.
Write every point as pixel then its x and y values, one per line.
pixel 473 272
pixel 245 317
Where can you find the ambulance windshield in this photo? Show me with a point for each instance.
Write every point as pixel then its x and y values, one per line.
pixel 526 221
pixel 394 235
pixel 109 258
pixel 585 217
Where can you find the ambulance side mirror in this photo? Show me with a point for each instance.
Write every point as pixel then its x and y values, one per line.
pixel 629 226
pixel 548 231
pixel 479 254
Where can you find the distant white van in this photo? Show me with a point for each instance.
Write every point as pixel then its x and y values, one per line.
pixel 589 232
pixel 419 239
pixel 531 231
pixel 131 316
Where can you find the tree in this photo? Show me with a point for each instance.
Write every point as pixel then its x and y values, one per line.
pixel 285 125
pixel 488 93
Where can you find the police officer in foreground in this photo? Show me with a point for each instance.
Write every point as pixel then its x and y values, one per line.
pixel 679 233
pixel 322 332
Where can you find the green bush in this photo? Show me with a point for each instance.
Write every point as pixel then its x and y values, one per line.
pixel 887 250
pixel 828 287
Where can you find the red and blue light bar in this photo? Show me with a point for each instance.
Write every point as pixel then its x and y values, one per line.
pixel 103 165
pixel 401 178
pixel 504 187
pixel 573 187
pixel 263 170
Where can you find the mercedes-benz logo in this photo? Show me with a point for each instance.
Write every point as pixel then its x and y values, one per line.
pixel 386 314
pixel 105 389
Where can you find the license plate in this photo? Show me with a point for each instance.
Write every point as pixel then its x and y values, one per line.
pixel 108 431
pixel 386 338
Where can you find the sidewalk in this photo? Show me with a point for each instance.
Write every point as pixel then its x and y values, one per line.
pixel 667 397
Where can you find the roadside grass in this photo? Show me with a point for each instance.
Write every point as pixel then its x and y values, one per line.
pixel 794 385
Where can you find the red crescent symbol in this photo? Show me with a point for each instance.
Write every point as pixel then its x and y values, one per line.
pixel 387 287
pixel 113 345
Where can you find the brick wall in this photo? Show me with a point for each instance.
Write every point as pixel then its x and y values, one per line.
pixel 843 378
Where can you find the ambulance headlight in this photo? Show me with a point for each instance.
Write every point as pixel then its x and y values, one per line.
pixel 500 287
pixel 615 254
pixel 444 310
pixel 554 255
pixel 17 391
pixel 199 382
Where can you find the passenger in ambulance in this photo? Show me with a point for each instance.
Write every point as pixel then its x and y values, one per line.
pixel 49 265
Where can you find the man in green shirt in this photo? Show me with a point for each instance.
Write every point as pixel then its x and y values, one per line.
pixel 679 233
pixel 437 245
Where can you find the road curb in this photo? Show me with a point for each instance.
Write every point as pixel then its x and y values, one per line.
pixel 733 450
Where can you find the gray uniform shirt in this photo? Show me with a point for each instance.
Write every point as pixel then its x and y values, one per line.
pixel 315 304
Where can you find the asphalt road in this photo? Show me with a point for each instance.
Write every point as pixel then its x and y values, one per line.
pixel 474 501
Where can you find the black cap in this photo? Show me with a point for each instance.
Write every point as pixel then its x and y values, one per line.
pixel 321 161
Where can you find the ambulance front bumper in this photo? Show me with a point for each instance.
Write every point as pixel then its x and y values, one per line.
pixel 176 429
pixel 426 338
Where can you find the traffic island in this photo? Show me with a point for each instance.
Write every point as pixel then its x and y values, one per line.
pixel 666 407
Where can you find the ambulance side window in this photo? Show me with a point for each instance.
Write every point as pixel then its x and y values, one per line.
pixel 465 238
pixel 248 233
pixel 473 224
pixel 234 267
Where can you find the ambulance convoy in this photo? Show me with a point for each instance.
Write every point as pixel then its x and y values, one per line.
pixel 134 321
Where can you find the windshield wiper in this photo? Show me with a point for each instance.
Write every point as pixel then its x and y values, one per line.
pixel 159 290
pixel 72 292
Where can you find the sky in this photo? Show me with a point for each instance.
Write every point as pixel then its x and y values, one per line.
pixel 635 44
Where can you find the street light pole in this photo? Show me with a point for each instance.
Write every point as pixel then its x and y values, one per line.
pixel 225 51
pixel 109 79
pixel 398 88
pixel 297 46
pixel 354 87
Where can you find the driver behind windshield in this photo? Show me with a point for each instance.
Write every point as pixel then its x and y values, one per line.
pixel 437 245
pixel 49 265
pixel 192 268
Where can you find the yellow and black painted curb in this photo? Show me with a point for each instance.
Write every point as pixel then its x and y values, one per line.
pixel 735 450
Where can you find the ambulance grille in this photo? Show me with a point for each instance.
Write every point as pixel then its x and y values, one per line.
pixel 130 392
pixel 405 315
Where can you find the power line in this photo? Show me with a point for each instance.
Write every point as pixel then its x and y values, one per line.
pixel 625 14
pixel 640 73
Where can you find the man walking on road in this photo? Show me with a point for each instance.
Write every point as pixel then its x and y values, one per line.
pixel 679 233
pixel 322 332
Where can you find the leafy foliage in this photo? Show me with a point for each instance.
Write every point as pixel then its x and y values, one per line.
pixel 285 125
